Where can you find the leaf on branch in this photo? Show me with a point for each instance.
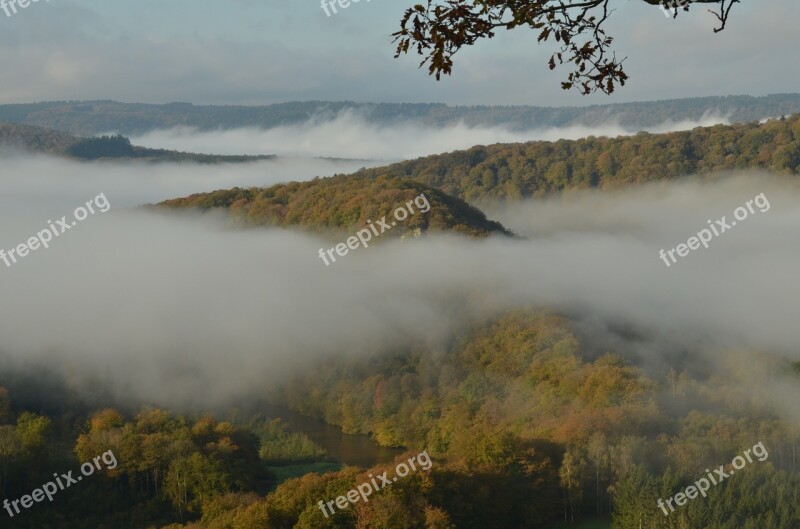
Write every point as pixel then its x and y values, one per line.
pixel 439 31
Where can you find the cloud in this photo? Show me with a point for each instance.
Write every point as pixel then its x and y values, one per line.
pixel 183 311
pixel 351 136
pixel 33 184
pixel 600 251
pixel 265 52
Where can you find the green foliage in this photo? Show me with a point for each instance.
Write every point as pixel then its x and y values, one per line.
pixel 117 146
pixel 33 431
pixel 40 140
pixel 635 501
pixel 278 446
pixel 755 498
pixel 162 454
pixel 192 480
pixel 236 511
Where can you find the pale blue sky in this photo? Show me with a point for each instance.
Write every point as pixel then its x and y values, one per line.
pixel 266 51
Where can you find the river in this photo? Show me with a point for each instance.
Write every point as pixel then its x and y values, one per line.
pixel 356 450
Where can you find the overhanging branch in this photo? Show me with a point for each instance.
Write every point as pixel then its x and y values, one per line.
pixel 441 28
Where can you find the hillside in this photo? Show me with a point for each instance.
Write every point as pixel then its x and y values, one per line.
pixel 36 139
pixel 97 117
pixel 41 140
pixel 522 423
pixel 572 432
pixel 342 203
pixel 512 171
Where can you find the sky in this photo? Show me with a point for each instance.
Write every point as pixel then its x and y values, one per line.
pixel 255 52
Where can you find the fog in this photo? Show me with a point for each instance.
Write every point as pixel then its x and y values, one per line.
pixel 182 310
pixel 351 136
pixel 30 183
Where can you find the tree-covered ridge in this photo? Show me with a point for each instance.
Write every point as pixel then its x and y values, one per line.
pixel 517 392
pixel 97 117
pixel 342 203
pixel 41 140
pixel 117 146
pixel 512 171
pixel 519 376
pixel 36 139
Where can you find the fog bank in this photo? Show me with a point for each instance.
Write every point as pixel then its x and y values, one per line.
pixel 184 311
pixel 351 136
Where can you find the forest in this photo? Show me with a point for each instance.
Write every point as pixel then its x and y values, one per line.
pixel 549 245
pixel 527 427
pixel 530 426
pixel 34 139
pixel 534 169
pixel 340 203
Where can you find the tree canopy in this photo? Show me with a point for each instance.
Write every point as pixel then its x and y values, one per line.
pixel 341 204
pixel 537 168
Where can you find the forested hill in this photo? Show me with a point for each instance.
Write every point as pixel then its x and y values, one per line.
pixel 536 168
pixel 343 204
pixel 98 117
pixel 35 139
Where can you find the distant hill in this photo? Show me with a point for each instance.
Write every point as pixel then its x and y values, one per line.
pixel 510 171
pixel 46 141
pixel 36 139
pixel 343 204
pixel 99 117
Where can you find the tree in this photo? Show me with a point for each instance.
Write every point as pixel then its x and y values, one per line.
pixel 598 454
pixel 33 431
pixel 102 147
pixel 439 29
pixel 193 480
pixel 436 518
pixel 106 420
pixel 573 468
pixel 635 501
pixel 386 511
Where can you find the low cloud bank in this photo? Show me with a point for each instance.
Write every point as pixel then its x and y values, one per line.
pixel 34 184
pixel 182 311
pixel 351 136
